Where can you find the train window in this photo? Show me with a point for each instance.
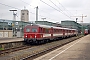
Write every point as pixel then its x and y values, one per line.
pixel 34 30
pixel 27 29
pixel 46 30
pixel 41 30
pixel 55 30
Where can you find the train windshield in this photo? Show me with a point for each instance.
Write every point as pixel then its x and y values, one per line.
pixel 27 29
pixel 34 30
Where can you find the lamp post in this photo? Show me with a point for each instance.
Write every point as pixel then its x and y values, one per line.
pixel 37 13
pixel 14 15
pixel 16 32
pixel 14 18
pixel 3 24
pixel 20 31
pixel 43 19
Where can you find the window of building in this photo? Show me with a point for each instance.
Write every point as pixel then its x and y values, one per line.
pixel 23 13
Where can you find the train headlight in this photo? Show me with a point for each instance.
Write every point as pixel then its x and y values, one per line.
pixel 41 35
pixel 35 36
pixel 26 36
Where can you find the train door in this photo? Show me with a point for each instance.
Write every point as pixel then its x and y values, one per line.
pixel 63 32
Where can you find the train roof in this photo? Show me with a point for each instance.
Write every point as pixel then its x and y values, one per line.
pixel 46 26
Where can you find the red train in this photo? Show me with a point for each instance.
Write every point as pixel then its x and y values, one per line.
pixel 42 33
pixel 86 31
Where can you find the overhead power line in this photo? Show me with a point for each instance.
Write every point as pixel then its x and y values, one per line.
pixel 55 8
pixel 9 6
pixel 64 7
pixel 59 9
pixel 49 5
pixel 34 7
pixel 55 4
pixel 17 8
pixel 14 7
pixel 38 8
pixel 25 2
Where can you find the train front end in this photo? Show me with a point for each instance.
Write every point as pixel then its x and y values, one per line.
pixel 31 34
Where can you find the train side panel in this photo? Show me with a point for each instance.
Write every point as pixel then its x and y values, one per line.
pixel 39 34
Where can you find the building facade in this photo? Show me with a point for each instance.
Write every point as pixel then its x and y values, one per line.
pixel 25 15
pixel 71 24
pixel 18 26
pixel 47 23
pixel 15 26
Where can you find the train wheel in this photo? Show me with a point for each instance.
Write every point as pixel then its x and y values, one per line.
pixel 39 42
pixel 43 41
pixel 36 42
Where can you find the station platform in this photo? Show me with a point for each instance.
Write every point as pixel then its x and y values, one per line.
pixel 76 50
pixel 7 40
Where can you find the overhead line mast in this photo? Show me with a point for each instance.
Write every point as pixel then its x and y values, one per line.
pixel 37 13
pixel 79 16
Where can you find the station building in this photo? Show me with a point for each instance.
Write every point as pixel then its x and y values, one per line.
pixel 48 23
pixel 25 15
pixel 10 28
pixel 72 24
pixel 13 26
pixel 17 27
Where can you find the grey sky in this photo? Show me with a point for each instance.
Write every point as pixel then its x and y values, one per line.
pixel 66 9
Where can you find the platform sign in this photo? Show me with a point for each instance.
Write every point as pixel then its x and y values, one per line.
pixel 16 23
pixel 9 23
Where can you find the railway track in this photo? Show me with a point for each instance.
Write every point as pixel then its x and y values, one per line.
pixel 49 48
pixel 35 51
pixel 8 51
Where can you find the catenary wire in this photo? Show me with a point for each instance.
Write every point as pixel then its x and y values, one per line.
pixel 64 8
pixel 19 9
pixel 54 8
pixel 38 8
